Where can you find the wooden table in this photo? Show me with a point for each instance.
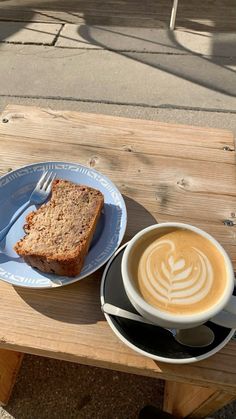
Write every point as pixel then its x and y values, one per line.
pixel 166 172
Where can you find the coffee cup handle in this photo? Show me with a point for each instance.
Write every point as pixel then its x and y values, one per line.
pixel 227 317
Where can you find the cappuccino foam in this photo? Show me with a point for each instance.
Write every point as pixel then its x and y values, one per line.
pixel 180 272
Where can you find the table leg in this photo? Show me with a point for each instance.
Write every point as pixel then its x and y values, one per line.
pixel 10 363
pixel 185 400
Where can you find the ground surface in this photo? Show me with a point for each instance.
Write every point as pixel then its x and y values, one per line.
pixel 114 58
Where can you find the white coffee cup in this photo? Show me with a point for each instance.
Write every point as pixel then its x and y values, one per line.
pixel 222 313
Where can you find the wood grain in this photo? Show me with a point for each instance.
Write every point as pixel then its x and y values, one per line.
pixel 41 325
pixel 166 172
pixel 170 182
pixel 120 134
pixel 184 400
pixel 10 363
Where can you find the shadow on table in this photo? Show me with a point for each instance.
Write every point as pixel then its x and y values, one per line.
pixel 79 303
pixel 138 217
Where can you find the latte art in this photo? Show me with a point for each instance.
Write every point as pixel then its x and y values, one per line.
pixel 177 281
pixel 180 272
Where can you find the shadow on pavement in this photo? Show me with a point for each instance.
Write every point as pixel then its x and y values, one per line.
pixel 213 72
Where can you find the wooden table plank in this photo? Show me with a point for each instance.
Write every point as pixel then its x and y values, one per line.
pixel 122 142
pixel 116 132
pixel 170 182
pixel 198 187
pixel 41 325
pixel 178 163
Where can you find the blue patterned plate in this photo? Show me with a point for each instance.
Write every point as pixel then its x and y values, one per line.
pixel 15 189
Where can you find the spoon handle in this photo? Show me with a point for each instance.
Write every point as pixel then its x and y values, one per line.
pixel 117 311
pixel 200 336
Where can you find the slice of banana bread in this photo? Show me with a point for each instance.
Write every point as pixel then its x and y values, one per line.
pixel 59 233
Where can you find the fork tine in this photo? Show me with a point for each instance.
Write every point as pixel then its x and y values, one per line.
pixel 47 181
pixel 50 184
pixel 41 180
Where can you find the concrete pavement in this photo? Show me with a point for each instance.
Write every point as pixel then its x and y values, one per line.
pixel 159 80
pixel 30 33
pixel 147 40
pixel 51 389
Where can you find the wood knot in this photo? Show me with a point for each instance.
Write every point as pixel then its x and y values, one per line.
pixel 183 183
pixel 10 116
pixel 128 148
pixel 227 148
pixel 228 223
pixel 93 161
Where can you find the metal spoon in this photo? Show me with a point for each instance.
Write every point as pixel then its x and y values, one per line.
pixel 197 337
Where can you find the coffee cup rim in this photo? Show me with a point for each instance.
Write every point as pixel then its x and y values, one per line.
pixel 138 300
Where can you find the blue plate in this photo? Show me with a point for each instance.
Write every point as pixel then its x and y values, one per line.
pixel 15 190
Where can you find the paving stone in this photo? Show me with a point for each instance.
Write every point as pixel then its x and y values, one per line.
pixel 147 40
pixel 160 80
pixel 28 32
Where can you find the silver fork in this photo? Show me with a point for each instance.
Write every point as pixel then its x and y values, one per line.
pixel 38 196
